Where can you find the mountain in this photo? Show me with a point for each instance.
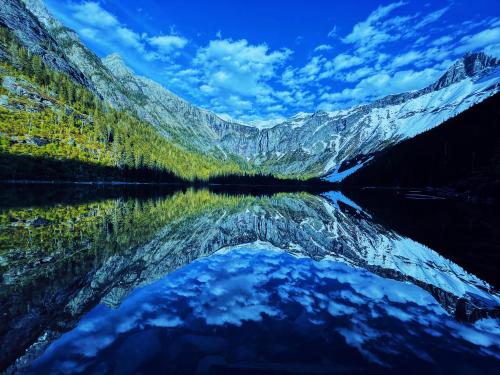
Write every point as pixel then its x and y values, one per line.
pixel 73 121
pixel 175 117
pixel 320 144
pixel 113 81
pixel 37 39
pixel 315 145
pixel 462 154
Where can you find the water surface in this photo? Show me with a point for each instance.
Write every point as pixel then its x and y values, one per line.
pixel 99 280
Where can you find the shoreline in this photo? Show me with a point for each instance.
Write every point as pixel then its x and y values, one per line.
pixel 295 183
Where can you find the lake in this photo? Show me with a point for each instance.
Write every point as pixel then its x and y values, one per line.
pixel 149 279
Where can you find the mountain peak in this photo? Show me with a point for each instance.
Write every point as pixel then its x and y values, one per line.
pixel 39 10
pixel 475 63
pixel 472 64
pixel 115 57
pixel 116 65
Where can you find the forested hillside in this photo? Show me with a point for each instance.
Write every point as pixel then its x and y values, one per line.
pixel 54 128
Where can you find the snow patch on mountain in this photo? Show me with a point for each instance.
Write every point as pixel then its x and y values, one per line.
pixel 337 176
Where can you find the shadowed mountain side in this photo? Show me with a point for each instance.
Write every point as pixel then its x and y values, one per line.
pixel 463 154
pixel 25 167
pixel 98 253
pixel 30 168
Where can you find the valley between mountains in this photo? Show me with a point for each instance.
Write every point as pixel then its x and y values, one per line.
pixel 66 114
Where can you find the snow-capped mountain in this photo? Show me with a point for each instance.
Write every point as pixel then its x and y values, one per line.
pixel 307 145
pixel 318 143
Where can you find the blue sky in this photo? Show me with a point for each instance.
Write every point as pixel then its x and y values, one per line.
pixel 261 61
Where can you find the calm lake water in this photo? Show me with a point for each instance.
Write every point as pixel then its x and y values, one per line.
pixel 150 281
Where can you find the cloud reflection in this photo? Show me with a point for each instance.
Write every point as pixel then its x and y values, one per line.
pixel 254 293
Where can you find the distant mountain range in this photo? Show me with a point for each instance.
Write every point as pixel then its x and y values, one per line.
pixel 308 145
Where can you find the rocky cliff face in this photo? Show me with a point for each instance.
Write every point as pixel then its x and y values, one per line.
pixel 315 145
pixel 471 66
pixel 307 145
pixel 175 117
pixel 318 143
pixel 35 37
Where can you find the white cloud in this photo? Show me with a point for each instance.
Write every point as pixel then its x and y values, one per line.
pixel 323 47
pixel 236 67
pixel 91 13
pixel 406 58
pixel 432 17
pixel 99 25
pixel 236 77
pixel 383 11
pixel 285 96
pixel 370 62
pixel 89 33
pixel 207 89
pixel 480 40
pixel 129 38
pixel 313 71
pixel 384 83
pixel 168 43
pixel 345 61
pixel 313 67
pixel 442 40
pixel 237 103
pixel 333 32
pixel 493 50
pixel 93 22
pixel 358 74
pixel 421 40
pixel 387 52
pixel 368 32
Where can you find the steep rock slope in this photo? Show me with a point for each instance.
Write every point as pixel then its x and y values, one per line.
pixel 37 39
pixel 116 83
pixel 190 125
pixel 312 145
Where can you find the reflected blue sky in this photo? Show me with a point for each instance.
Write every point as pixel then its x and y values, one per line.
pixel 256 308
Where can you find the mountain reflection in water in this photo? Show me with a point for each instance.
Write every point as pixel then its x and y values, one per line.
pixel 197 282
